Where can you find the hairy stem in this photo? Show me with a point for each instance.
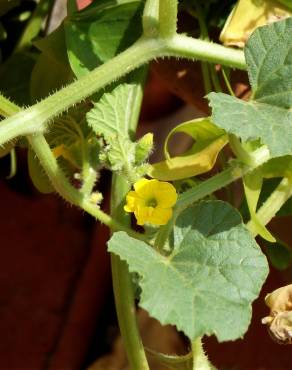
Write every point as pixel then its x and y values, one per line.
pixel 7 108
pixel 67 191
pixel 123 286
pixel 150 19
pixel 36 118
pixel 122 281
pixel 167 18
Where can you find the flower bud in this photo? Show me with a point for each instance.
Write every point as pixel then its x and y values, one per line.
pixel 279 321
pixel 143 148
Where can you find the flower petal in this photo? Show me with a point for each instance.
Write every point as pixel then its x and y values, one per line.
pixel 145 188
pixel 132 200
pixel 160 216
pixel 143 214
pixel 165 194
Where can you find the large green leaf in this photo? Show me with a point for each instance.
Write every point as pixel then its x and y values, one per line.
pixel 99 33
pixel 207 283
pixel 200 158
pixel 268 115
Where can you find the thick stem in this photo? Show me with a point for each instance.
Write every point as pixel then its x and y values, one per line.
pixel 7 108
pixel 187 47
pixel 36 118
pixel 167 18
pixel 123 287
pixel 122 281
pixel 272 205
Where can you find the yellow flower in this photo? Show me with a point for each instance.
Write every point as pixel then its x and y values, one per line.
pixel 151 202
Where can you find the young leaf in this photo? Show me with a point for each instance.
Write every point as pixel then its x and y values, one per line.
pixel 111 115
pixel 111 118
pixel 207 283
pixel 209 140
pixel 268 115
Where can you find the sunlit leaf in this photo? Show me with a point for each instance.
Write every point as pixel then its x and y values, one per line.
pixel 207 283
pixel 98 33
pixel 268 116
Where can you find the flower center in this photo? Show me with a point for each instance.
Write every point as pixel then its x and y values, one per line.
pixel 152 202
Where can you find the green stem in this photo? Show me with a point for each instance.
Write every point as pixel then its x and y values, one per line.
pixel 34 24
pixel 272 205
pixel 224 178
pixel 36 118
pixel 7 108
pixel 123 286
pixel 67 191
pixel 204 36
pixel 200 360
pixel 227 82
pixel 167 18
pixel 209 186
pixel 122 281
pixel 13 164
pixel 150 19
pixel 188 47
pixel 187 198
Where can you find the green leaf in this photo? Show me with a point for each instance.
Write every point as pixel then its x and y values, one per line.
pixel 37 174
pixel 268 115
pixel 99 33
pixel 200 158
pixel 208 282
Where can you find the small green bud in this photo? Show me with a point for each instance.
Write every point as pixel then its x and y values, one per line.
pixel 144 148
